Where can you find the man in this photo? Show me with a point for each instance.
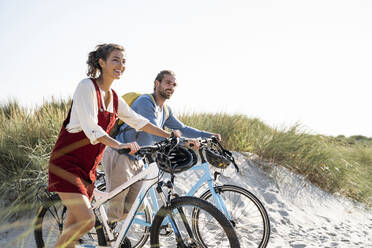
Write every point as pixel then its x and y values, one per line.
pixel 119 168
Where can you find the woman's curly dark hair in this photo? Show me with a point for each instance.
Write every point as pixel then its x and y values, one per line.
pixel 102 52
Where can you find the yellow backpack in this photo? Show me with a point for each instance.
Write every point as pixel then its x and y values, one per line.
pixel 129 98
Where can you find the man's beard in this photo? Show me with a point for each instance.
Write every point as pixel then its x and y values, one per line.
pixel 163 94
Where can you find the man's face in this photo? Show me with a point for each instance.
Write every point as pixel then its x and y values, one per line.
pixel 166 87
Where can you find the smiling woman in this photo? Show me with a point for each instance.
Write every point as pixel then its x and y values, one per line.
pixel 77 152
pixel 98 61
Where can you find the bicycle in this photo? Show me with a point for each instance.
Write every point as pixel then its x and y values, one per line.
pixel 243 209
pixel 246 212
pixel 177 210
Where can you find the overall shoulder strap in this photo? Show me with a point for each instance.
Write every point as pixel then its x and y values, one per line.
pixel 115 101
pixel 67 120
pixel 98 93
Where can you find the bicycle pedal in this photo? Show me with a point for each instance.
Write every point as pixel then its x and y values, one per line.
pixel 165 230
pixel 126 243
pixel 112 225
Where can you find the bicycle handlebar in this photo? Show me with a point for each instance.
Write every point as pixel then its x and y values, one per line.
pixel 173 141
pixel 162 145
pixel 204 142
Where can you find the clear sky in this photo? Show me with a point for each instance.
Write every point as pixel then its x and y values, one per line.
pixel 283 61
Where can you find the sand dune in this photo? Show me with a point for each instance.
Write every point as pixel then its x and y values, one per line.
pixel 301 214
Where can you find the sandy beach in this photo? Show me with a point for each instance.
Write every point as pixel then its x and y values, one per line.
pixel 301 214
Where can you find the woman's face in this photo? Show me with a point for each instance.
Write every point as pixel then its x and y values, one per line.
pixel 114 65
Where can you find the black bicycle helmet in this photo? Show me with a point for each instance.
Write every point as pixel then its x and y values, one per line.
pixel 216 158
pixel 177 160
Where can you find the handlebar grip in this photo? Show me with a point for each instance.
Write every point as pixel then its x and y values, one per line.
pixel 124 151
pixel 214 139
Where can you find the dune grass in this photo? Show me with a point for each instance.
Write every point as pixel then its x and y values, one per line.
pixel 26 140
pixel 336 164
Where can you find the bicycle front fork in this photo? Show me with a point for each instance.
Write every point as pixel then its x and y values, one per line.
pixel 171 216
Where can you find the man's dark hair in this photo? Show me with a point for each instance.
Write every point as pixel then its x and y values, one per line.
pixel 161 75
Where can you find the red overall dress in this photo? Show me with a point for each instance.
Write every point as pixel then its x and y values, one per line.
pixel 73 161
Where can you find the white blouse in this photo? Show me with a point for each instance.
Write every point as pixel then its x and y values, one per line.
pixel 84 112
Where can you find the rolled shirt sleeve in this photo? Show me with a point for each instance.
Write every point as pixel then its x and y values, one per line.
pixel 84 113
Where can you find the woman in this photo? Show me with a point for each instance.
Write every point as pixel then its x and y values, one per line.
pixel 84 136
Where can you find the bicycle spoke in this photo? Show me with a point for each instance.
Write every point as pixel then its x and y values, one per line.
pixel 247 215
pixel 206 223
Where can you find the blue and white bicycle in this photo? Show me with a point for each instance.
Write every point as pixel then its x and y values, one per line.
pixel 191 222
pixel 244 210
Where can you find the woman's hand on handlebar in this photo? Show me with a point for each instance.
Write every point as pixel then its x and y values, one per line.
pixel 133 146
pixel 176 133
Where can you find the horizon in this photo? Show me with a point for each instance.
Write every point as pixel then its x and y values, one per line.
pixel 282 62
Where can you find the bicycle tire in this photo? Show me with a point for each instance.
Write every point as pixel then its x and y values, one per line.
pixel 254 230
pixel 43 241
pixel 139 232
pixel 49 223
pixel 226 236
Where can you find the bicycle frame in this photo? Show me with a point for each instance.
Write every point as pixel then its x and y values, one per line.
pixel 207 177
pixel 149 176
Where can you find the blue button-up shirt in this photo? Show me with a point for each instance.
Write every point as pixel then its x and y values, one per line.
pixel 146 107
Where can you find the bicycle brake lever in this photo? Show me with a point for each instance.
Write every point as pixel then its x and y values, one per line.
pixel 232 159
pixel 216 174
pixel 229 154
pixel 174 141
pixel 236 166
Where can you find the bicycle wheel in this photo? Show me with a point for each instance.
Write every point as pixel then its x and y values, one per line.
pixel 49 225
pixel 248 215
pixel 139 231
pixel 216 229
pixel 50 219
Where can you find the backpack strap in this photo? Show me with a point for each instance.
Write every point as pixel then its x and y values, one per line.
pixel 131 97
pixel 165 107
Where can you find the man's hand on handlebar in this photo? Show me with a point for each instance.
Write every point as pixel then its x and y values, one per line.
pixel 218 136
